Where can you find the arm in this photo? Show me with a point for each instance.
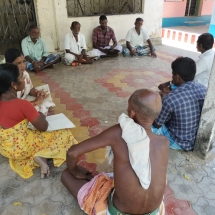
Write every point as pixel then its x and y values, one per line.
pixel 40 123
pixel 95 46
pixel 132 52
pixel 114 45
pixel 33 92
pixel 201 66
pixel 88 145
pixel 156 125
pixel 128 42
pixel 153 54
pixel 31 114
pixel 68 51
pixel 44 54
pixel 161 86
pixel 114 40
pixel 165 114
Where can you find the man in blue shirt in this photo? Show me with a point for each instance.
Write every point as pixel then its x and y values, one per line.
pixel 181 108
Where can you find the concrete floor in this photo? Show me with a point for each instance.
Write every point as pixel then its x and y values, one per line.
pixel 93 97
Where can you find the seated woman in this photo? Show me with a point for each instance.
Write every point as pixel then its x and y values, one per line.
pixel 27 148
pixel 16 57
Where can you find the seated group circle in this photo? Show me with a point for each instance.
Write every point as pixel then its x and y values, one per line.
pixel 155 121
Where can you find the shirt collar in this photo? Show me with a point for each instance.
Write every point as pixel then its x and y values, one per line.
pixel 74 37
pixel 101 29
pixel 29 39
pixel 210 51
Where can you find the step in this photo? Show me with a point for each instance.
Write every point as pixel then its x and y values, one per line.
pixel 194 23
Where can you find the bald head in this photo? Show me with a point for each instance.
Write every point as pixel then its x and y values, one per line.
pixel 146 103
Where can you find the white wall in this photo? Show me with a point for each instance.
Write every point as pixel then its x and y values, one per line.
pixel 54 22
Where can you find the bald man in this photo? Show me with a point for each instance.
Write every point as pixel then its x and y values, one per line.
pixel 128 196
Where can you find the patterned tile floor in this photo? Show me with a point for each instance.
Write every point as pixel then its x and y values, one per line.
pixel 93 96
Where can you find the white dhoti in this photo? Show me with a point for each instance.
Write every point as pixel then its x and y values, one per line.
pixel 69 58
pixel 99 53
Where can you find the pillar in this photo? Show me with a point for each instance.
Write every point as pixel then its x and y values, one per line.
pixel 212 24
pixel 206 133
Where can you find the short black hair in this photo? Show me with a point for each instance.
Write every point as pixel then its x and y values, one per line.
pixel 185 67
pixel 102 17
pixel 75 23
pixel 206 40
pixel 32 27
pixel 139 19
pixel 12 54
pixel 8 73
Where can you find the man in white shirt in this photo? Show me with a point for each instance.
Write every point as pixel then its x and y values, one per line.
pixel 135 41
pixel 75 47
pixel 205 44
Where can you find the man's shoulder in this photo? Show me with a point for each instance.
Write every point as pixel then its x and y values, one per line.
pixel 81 35
pixel 110 29
pixel 41 40
pixel 68 34
pixel 131 29
pixel 96 29
pixel 199 87
pixel 160 142
pixel 26 39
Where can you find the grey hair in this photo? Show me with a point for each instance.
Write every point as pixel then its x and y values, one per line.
pixel 138 106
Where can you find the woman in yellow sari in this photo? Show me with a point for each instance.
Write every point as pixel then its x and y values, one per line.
pixel 25 148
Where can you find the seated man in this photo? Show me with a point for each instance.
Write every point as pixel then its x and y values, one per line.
pixel 35 53
pixel 139 189
pixel 181 108
pixel 75 46
pixel 205 44
pixel 102 35
pixel 135 41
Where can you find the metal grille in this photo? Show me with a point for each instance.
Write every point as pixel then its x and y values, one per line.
pixel 191 8
pixel 16 16
pixel 77 8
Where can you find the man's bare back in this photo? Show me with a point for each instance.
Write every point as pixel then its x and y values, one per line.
pixel 129 196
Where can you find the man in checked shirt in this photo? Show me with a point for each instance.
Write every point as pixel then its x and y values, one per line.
pixel 182 107
pixel 102 35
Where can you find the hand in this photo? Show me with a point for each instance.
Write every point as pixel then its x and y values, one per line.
pixel 85 57
pixel 41 62
pixel 105 51
pixel 112 47
pixel 153 54
pixel 36 66
pixel 162 86
pixel 81 173
pixel 39 99
pixel 132 52
pixel 79 58
pixel 42 93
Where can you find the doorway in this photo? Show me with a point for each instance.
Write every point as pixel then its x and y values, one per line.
pixel 192 8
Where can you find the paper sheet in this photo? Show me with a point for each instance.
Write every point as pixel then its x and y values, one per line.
pixel 56 122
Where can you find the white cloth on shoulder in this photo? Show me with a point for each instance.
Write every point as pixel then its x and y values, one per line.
pixel 138 147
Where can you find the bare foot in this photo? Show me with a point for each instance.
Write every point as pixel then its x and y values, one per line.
pixel 45 171
pixel 51 66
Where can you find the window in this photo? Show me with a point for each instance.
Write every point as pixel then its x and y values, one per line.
pixel 77 8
